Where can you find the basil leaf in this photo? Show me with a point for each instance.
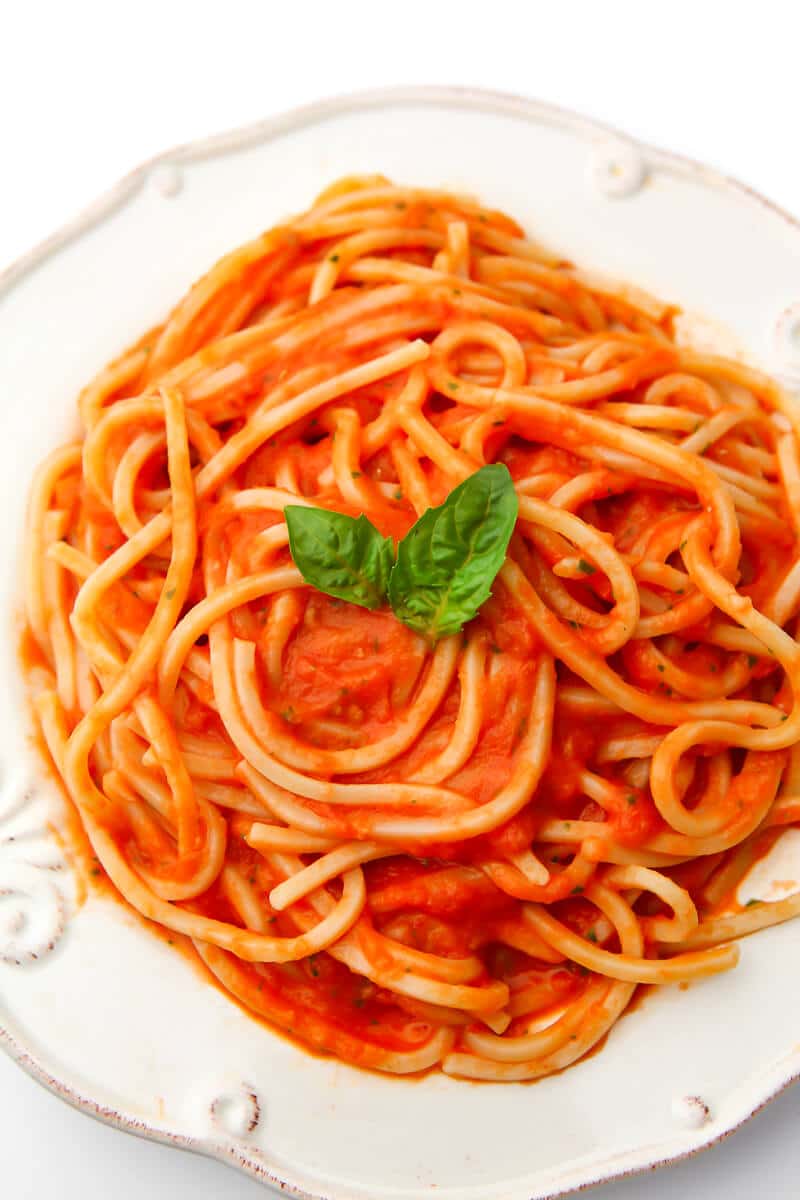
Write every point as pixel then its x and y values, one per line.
pixel 447 563
pixel 339 555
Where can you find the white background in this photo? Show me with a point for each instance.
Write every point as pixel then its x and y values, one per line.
pixel 88 90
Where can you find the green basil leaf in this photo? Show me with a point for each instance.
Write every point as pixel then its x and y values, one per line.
pixel 447 563
pixel 342 556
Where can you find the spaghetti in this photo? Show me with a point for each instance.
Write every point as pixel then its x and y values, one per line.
pixel 465 854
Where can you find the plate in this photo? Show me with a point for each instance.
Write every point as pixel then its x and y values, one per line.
pixel 105 1014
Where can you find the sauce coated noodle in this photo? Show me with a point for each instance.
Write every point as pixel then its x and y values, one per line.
pixel 469 855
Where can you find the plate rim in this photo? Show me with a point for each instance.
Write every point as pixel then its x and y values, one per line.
pixel 255 133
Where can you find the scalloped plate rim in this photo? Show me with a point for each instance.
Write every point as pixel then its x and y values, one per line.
pixel 782 1075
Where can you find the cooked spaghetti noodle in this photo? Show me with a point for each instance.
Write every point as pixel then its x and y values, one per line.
pixel 465 854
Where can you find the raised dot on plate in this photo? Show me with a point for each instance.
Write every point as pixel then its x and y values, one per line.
pixel 617 169
pixel 238 1112
pixel 691 1111
pixel 167 180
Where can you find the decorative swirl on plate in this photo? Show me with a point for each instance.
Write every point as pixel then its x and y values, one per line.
pixel 32 925
pixel 33 909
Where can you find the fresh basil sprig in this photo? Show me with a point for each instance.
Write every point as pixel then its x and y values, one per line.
pixel 339 555
pixel 445 565
pixel 447 562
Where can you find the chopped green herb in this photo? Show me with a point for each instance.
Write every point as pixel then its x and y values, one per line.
pixel 170 593
pixel 750 903
pixel 334 258
pixel 585 567
pixel 576 891
pixel 356 474
pixel 631 798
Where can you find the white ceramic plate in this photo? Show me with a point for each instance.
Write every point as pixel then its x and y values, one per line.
pixel 104 1013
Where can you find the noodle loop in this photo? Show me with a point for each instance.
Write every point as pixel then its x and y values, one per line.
pixel 464 855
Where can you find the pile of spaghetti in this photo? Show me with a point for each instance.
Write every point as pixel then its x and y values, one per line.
pixel 404 852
